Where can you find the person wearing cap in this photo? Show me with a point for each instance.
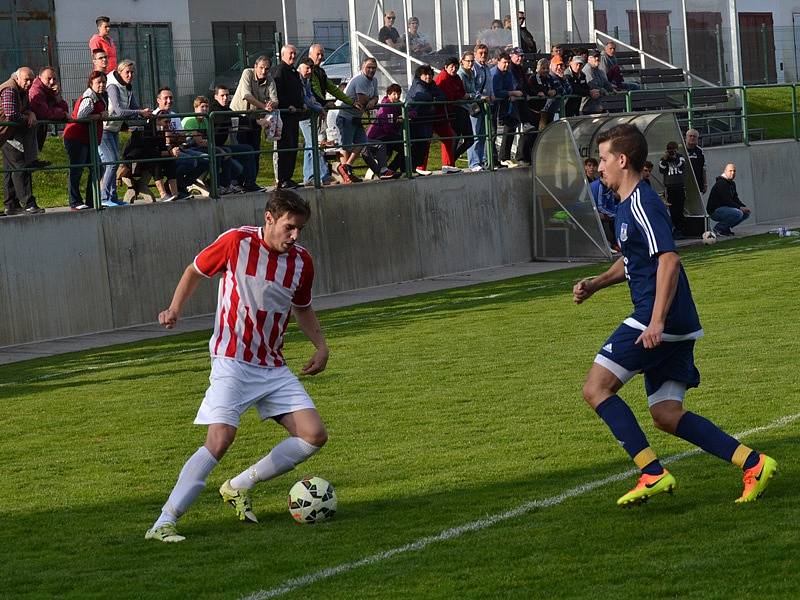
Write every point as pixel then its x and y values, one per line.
pixel 525 37
pixel 597 80
pixel 417 43
pixel 563 88
pixel 526 116
pixel 580 86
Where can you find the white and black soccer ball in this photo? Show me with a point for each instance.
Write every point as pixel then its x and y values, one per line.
pixel 709 237
pixel 312 499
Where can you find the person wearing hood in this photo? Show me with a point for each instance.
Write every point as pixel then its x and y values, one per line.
pixel 724 205
pixel 122 102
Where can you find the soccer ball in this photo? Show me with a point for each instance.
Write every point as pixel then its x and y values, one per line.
pixel 709 237
pixel 312 499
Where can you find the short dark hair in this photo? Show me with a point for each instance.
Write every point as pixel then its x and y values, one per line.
pixel 394 88
pixel 423 70
pixel 102 19
pixel 648 165
pixel 590 161
pixel 628 140
pixel 504 56
pixel 281 202
pixel 307 62
pixel 672 145
pixel 166 88
pixel 481 47
pixel 94 75
pixel 97 51
pixel 220 86
pixel 46 68
pixel 453 60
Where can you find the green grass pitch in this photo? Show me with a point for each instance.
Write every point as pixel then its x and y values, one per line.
pixel 443 410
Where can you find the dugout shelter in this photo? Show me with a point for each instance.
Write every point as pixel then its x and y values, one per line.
pixel 566 222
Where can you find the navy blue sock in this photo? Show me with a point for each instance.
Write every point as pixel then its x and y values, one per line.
pixel 703 433
pixel 623 424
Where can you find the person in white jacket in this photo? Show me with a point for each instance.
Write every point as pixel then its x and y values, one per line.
pixel 122 102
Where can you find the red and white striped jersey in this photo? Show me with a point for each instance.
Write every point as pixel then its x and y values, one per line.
pixel 256 294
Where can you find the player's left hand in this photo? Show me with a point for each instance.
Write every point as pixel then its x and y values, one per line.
pixel 651 337
pixel 317 363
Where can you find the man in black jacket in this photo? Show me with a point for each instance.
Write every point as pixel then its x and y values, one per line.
pixel 724 205
pixel 580 86
pixel 291 105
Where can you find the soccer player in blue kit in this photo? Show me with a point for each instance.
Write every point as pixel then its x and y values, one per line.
pixel 658 338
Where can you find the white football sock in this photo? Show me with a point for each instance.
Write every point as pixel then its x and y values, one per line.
pixel 283 457
pixel 191 482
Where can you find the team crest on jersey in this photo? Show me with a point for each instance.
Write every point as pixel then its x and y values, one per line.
pixel 623 232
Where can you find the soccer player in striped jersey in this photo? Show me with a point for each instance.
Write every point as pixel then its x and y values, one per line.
pixel 658 338
pixel 266 278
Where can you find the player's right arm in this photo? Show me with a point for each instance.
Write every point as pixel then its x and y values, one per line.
pixel 582 290
pixel 186 287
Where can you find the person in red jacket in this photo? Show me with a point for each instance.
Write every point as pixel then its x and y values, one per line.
pixel 452 85
pixel 77 140
pixel 102 41
pixel 46 101
pixel 453 88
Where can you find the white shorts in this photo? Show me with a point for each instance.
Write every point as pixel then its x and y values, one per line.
pixel 236 386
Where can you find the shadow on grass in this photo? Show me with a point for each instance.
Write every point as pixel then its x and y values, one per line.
pixel 97 550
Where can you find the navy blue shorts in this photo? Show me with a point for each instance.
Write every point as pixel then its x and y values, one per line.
pixel 669 361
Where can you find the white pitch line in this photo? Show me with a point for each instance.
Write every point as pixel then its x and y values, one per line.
pixel 455 532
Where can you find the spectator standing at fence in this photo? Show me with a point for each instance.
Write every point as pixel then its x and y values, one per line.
pixel 724 205
pixel 416 43
pixel 476 154
pixel 77 141
pixel 387 128
pixel 454 118
pixel 543 90
pixel 610 66
pixel 46 102
pixel 597 80
pixel 322 86
pixel 506 114
pixel 224 138
pixel 290 101
pixel 102 41
pixel 697 159
pixel 422 116
pixel 388 34
pixel 671 166
pixel 363 91
pixel 18 143
pixel 525 37
pixel 580 87
pixel 526 116
pixel 122 102
pixel 256 91
pixel 315 108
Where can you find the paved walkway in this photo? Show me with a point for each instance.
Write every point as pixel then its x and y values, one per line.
pixel 11 354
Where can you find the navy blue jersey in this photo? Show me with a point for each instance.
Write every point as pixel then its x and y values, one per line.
pixel 644 231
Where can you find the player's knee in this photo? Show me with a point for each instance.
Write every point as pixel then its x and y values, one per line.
pixel 317 437
pixel 595 394
pixel 666 421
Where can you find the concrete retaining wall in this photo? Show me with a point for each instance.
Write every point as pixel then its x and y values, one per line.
pixel 66 273
pixel 767 177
